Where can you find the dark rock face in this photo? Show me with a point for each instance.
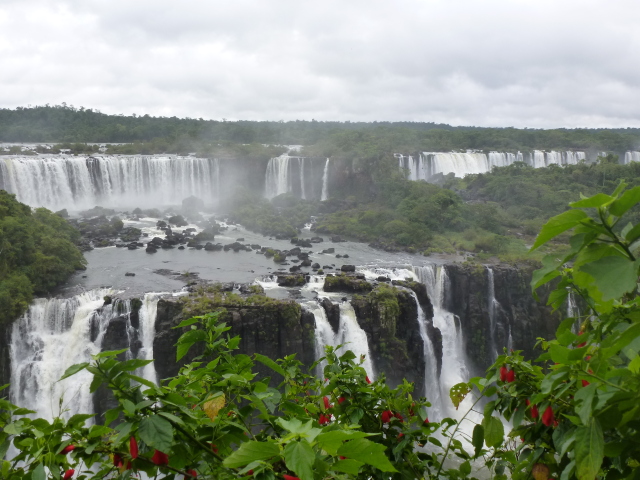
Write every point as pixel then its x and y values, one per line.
pixel 517 311
pixel 333 313
pixel 267 330
pixel 390 319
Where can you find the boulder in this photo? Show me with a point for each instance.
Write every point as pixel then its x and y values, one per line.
pixel 348 268
pixel 192 205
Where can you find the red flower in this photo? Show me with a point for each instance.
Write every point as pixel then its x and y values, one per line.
pixel 327 406
pixel 503 373
pixel 399 417
pixel 67 449
pixel 214 448
pixel 511 376
pixel 68 474
pixel 250 472
pixel 584 383
pixel 580 345
pixel 367 379
pixel 341 399
pixel 133 447
pixel 342 458
pixel 547 416
pixel 324 419
pixel 534 412
pixel 160 458
pixel 289 477
pixel 400 435
pixel 193 473
pixel 426 421
pixel 117 460
pixel 128 465
pixel 386 416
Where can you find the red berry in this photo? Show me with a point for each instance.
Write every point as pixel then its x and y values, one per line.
pixel 341 399
pixel 326 403
pixel 584 383
pixel 133 447
pixel 68 474
pixel 386 416
pixel 547 417
pixel 511 376
pixel 192 473
pixel 503 373
pixel 367 379
pixel 117 460
pixel 289 477
pixel 426 421
pixel 67 449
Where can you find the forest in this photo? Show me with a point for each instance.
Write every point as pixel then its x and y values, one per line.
pixel 68 124
pixel 37 253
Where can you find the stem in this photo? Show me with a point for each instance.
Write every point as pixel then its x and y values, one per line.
pixel 614 236
pixel 455 430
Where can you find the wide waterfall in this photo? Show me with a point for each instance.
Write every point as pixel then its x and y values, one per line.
pixel 79 182
pixel 428 164
pixel 303 177
pixel 631 157
pixel 57 333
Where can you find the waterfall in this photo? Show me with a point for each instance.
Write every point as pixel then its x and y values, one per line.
pixel 454 368
pixel 431 378
pixel 301 162
pixel 76 183
pixel 57 333
pixel 428 164
pixel 349 334
pixel 631 157
pixel 492 305
pixel 325 182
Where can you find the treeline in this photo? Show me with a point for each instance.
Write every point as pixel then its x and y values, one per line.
pixel 37 253
pixel 56 124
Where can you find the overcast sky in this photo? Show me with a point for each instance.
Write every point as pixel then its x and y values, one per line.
pixel 535 63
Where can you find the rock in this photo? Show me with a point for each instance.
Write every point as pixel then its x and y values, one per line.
pixel 345 256
pixel 304 244
pixel 291 280
pixel 346 283
pixel 129 274
pixel 338 256
pixel 337 239
pixel 132 246
pixel 348 268
pixel 333 313
pixel 239 239
pixel 192 205
pixel 329 250
pixel 295 268
pixel 178 221
pixel 150 249
pixel 383 279
pixel 315 266
pixel 317 240
pixel 306 263
pixel 181 247
pixel 210 247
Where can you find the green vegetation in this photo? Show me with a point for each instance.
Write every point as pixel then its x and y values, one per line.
pixel 352 139
pixel 574 411
pixel 37 253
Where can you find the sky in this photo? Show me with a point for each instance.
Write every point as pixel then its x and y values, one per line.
pixel 521 63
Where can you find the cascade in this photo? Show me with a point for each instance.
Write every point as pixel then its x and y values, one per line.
pixel 57 333
pixel 454 368
pixel 492 305
pixel 631 157
pixel 349 334
pixel 431 377
pixel 537 159
pixel 301 163
pixel 75 183
pixel 325 182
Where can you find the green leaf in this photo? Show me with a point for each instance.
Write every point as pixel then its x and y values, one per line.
pixel 592 202
pixel 493 431
pixel 332 441
pixel 589 450
pixel 558 224
pixel 367 452
pixel 627 200
pixel 633 234
pixel 299 457
pixel 188 322
pixel 270 363
pixel 156 432
pixel 38 473
pixel 584 402
pixel 614 276
pixel 187 340
pixel 465 468
pixel 352 467
pixel 250 452
pixel 73 369
pixel 477 440
pixel 458 393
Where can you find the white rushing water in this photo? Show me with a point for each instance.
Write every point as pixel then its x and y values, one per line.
pixel 492 305
pixel 81 182
pixel 325 182
pixel 631 157
pixel 428 164
pixel 349 334
pixel 454 360
pixel 57 333
pixel 279 178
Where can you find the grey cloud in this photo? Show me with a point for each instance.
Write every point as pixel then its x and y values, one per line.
pixel 494 63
